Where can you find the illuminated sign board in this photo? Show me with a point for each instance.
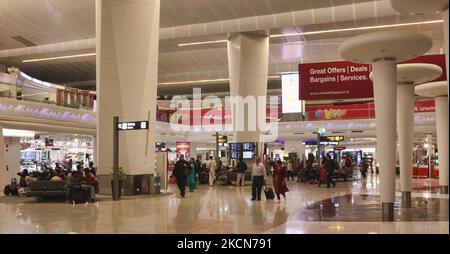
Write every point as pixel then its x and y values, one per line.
pixel 125 126
pixel 222 140
pixel 339 148
pixel 332 138
pixel 289 94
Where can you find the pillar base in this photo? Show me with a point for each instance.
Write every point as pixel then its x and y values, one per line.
pixel 406 199
pixel 387 210
pixel 444 189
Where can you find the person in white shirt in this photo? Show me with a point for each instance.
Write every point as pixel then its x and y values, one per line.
pixel 211 166
pixel 258 174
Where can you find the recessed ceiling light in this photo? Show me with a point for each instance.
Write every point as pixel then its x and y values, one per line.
pixel 57 57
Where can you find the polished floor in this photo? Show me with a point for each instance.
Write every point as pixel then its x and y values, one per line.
pixel 223 209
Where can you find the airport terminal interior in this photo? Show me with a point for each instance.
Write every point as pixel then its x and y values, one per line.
pixel 214 116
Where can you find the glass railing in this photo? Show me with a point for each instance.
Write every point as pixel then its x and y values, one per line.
pixel 21 86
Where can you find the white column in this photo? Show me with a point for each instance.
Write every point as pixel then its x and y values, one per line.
pixel 385 93
pixel 405 123
pixel 3 173
pixel 127 71
pixel 445 17
pixel 248 61
pixel 94 149
pixel 442 127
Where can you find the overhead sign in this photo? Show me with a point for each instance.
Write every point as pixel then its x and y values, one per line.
pixel 310 142
pixel 125 126
pixel 183 148
pixel 339 148
pixel 332 138
pixel 334 80
pixel 222 140
pixel 347 80
pixel 329 143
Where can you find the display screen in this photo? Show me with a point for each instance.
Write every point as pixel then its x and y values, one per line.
pixel 235 155
pixel 235 146
pixel 248 146
pixel 248 155
pixel 290 94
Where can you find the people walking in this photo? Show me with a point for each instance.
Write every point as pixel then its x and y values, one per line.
pixel 211 166
pixel 191 179
pixel 258 173
pixel 279 180
pixel 241 169
pixel 180 172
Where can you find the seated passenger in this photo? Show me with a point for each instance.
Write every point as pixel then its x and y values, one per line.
pixel 89 182
pixel 73 181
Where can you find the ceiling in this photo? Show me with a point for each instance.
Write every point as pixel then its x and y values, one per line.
pixel 42 22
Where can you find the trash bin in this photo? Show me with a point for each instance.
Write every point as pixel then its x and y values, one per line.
pixel 155 185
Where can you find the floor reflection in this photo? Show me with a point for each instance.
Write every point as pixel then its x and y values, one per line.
pixel 361 207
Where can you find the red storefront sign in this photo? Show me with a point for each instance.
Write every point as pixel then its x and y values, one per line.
pixel 334 80
pixel 183 148
pixel 347 80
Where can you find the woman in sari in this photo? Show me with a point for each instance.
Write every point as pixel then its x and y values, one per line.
pixel 191 179
pixel 279 180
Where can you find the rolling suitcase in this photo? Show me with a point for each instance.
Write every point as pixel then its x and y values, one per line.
pixel 269 193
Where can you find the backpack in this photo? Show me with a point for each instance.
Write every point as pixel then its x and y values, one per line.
pixel 7 190
pixel 269 193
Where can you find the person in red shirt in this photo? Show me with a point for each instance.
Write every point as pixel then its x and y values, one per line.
pixel 89 182
pixel 279 180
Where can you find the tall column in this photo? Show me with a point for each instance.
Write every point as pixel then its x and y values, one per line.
pixel 248 61
pixel 429 140
pixel 405 121
pixel 3 173
pixel 94 150
pixel 442 128
pixel 445 17
pixel 127 71
pixel 385 92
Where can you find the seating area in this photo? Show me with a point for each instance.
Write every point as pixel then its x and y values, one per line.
pixel 57 190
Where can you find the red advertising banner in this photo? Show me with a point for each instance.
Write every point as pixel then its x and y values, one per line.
pixel 334 80
pixel 424 106
pixel 209 116
pixel 332 112
pixel 347 80
pixel 356 111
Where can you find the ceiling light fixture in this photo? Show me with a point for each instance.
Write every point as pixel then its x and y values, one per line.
pixel 206 81
pixel 322 32
pixel 56 58
pixel 201 43
pixel 357 28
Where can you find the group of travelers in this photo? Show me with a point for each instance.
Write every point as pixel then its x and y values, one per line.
pixel 186 173
pixel 81 178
